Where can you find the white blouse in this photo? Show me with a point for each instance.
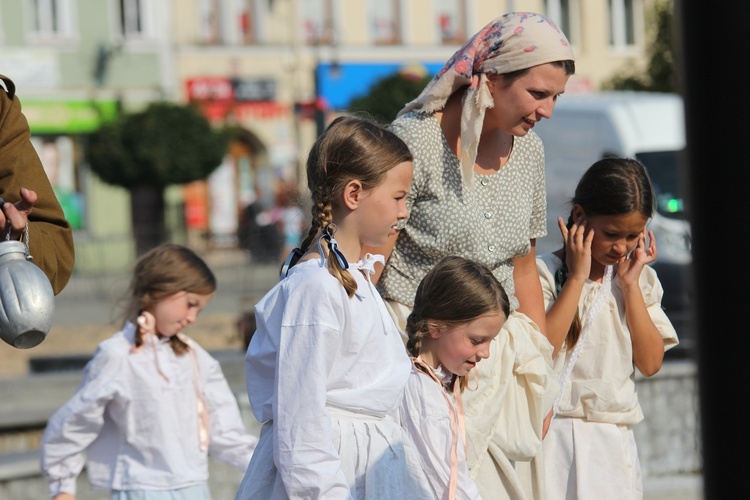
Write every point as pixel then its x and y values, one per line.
pixel 425 415
pixel 318 357
pixel 135 416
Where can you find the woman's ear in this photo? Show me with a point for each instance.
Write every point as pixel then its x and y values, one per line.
pixel 352 194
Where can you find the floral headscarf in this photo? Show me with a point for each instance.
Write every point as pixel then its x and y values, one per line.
pixel 511 42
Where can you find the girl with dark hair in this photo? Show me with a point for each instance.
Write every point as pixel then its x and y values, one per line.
pixel 604 319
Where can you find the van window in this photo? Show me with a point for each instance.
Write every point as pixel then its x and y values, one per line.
pixel 663 167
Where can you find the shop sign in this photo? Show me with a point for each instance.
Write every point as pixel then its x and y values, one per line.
pixel 254 89
pixel 67 117
pixel 218 89
pixel 210 89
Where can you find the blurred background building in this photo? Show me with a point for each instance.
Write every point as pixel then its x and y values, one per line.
pixel 278 70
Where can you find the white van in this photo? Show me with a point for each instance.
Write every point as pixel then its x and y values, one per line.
pixel 648 126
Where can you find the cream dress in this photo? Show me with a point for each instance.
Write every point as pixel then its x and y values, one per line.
pixel 590 450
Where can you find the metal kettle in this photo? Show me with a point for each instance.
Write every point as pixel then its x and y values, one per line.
pixel 27 301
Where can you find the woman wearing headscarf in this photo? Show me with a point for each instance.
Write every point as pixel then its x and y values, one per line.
pixel 479 192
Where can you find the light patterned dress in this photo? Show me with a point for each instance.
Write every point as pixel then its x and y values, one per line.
pixel 490 224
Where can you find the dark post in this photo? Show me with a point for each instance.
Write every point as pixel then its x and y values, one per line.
pixel 714 43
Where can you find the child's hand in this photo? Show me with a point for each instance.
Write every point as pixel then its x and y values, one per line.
pixel 629 269
pixel 577 247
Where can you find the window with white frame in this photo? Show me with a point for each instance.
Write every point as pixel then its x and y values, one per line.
pixel 565 14
pixel 316 17
pixel 385 21
pixel 231 22
pixel 451 21
pixel 50 19
pixel 623 22
pixel 135 19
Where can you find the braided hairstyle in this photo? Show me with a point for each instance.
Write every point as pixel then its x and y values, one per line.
pixel 456 290
pixel 351 148
pixel 161 272
pixel 611 186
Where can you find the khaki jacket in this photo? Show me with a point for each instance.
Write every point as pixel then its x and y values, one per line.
pixel 50 235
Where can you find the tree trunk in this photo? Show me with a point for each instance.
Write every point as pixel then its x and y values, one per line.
pixel 147 213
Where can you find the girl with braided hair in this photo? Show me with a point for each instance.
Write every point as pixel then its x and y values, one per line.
pixel 153 405
pixel 604 319
pixel 326 367
pixel 459 308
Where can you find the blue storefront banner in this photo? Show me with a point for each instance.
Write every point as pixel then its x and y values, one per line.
pixel 338 84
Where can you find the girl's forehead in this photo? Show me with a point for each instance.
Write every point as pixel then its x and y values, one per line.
pixel 634 221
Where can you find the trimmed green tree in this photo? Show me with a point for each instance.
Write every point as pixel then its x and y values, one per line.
pixel 388 96
pixel 146 151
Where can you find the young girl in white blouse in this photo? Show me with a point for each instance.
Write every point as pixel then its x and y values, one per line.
pixel 604 319
pixel 326 367
pixel 153 404
pixel 458 311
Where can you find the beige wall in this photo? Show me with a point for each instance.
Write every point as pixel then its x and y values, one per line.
pixel 286 59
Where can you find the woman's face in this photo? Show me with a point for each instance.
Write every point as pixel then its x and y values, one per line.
pixel 527 99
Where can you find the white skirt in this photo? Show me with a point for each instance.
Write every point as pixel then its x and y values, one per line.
pixel 197 492
pixel 591 461
pixel 374 460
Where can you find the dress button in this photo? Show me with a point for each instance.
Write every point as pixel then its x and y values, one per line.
pixel 488 215
pixel 483 182
pixel 491 248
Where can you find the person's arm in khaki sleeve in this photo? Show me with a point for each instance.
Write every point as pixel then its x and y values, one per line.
pixel 28 194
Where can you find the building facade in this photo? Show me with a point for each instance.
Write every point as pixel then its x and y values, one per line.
pixel 275 70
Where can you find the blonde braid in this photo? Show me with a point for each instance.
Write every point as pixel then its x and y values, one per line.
pixel 416 329
pixel 334 267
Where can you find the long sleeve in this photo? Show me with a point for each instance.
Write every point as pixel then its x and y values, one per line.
pixel 518 388
pixel 425 416
pixel 230 441
pixel 304 451
pixel 77 424
pixel 50 235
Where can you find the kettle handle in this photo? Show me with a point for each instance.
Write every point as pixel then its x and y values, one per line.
pixel 29 257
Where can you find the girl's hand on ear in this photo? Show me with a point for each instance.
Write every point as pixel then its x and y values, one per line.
pixel 629 269
pixel 577 247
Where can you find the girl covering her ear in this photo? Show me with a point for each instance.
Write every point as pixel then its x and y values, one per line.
pixel 604 320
